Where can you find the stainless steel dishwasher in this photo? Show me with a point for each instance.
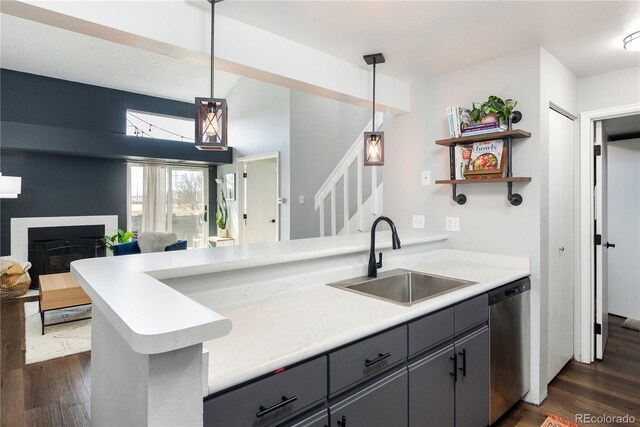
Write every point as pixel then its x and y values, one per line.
pixel 509 331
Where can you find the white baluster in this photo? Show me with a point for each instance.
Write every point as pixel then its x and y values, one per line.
pixel 333 210
pixel 345 181
pixel 321 216
pixel 374 193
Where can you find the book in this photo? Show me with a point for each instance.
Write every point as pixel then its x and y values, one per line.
pixel 483 126
pixel 486 159
pixel 483 131
pixel 463 119
pixel 450 119
pixel 462 156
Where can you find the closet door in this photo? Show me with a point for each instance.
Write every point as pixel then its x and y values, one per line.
pixel 561 251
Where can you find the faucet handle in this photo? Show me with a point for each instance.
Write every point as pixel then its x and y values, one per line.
pixel 379 263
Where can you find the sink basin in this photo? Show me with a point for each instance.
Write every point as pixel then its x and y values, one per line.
pixel 404 287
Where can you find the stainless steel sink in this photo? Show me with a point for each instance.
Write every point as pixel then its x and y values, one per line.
pixel 404 287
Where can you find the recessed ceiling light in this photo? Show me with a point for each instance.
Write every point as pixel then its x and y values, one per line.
pixel 632 41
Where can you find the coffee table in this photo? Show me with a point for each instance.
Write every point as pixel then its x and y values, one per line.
pixel 59 291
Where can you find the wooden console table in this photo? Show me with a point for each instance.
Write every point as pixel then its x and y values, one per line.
pixel 59 291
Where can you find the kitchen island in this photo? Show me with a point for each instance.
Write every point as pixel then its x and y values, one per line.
pixel 172 328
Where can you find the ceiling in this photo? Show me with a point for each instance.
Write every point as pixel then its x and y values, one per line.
pixel 36 48
pixel 421 39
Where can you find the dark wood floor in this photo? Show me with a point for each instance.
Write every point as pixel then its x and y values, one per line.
pixel 57 392
pixel 611 386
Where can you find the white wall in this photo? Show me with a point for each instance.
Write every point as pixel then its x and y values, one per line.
pixel 624 227
pixel 609 90
pixel 259 116
pixel 488 222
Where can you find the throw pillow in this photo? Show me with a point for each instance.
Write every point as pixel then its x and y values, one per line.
pixel 155 241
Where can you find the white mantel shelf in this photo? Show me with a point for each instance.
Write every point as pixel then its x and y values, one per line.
pixel 153 318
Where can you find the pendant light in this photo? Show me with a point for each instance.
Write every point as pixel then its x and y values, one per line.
pixel 211 113
pixel 374 141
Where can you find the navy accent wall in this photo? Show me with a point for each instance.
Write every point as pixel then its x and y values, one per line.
pixel 66 140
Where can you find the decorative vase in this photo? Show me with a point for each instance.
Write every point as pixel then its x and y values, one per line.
pixel 222 232
pixel 489 118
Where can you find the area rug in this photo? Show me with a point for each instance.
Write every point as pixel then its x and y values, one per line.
pixel 554 420
pixel 58 340
pixel 631 324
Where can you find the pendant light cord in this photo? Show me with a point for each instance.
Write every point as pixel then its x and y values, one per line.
pixel 213 20
pixel 373 119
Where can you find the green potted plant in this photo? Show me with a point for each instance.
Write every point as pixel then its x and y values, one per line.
pixel 222 216
pixel 120 237
pixel 492 110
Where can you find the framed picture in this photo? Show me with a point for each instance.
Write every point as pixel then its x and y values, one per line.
pixel 230 181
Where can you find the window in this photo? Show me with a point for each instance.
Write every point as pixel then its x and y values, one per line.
pixel 178 205
pixel 158 126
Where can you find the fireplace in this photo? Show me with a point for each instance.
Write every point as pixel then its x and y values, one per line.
pixel 52 249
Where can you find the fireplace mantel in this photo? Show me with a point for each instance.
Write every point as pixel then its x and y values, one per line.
pixel 20 229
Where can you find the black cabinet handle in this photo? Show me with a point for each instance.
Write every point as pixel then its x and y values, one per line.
pixel 454 374
pixel 464 362
pixel 610 245
pixel 285 401
pixel 342 422
pixel 380 358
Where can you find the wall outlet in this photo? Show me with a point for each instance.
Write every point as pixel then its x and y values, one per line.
pixel 453 223
pixel 301 200
pixel 418 221
pixel 426 178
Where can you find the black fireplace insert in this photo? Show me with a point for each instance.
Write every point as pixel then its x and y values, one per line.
pixel 52 249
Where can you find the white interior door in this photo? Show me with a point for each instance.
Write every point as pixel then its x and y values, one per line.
pixel 260 222
pixel 601 259
pixel 561 251
pixel 623 179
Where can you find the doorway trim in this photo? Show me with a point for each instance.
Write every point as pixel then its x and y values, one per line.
pixel 587 216
pixel 266 156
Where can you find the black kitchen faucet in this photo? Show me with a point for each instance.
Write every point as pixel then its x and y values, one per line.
pixel 395 242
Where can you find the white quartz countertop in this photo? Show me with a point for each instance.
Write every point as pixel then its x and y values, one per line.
pixel 310 319
pixel 154 318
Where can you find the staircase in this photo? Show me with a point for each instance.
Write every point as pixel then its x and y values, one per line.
pixel 366 210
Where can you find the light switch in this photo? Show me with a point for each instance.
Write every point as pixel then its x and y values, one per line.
pixel 453 223
pixel 301 200
pixel 418 221
pixel 426 178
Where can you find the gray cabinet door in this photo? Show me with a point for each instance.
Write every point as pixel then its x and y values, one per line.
pixel 431 389
pixel 382 404
pixel 472 387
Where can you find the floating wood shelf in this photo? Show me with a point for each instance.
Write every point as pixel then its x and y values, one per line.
pixel 484 180
pixel 463 140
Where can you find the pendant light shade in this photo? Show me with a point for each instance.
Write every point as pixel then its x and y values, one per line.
pixel 374 140
pixel 211 113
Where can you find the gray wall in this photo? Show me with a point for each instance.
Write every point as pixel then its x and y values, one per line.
pixel 322 130
pixel 311 134
pixel 259 124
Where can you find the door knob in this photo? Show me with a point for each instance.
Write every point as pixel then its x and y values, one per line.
pixel 610 245
pixel 561 249
pixel 273 221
